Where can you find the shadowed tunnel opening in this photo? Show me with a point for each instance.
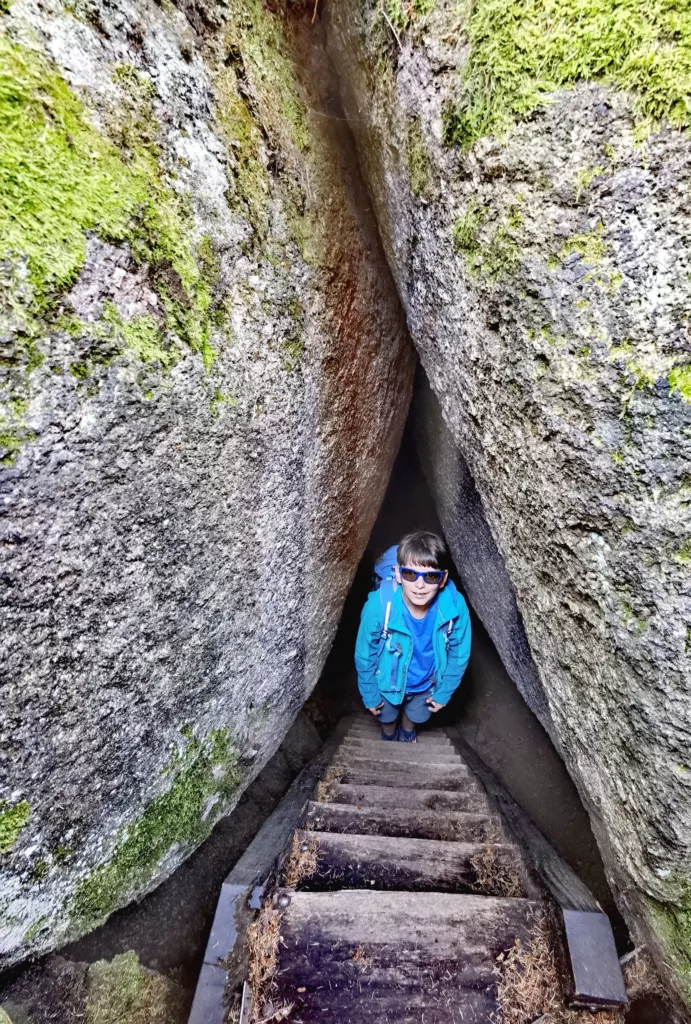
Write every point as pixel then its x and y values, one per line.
pixel 487 708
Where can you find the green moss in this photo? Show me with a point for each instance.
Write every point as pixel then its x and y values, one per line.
pixel 591 247
pixel 257 35
pixel 12 821
pixel 250 191
pixel 585 177
pixel 121 991
pixel 260 102
pixel 620 351
pixel 143 335
pixel 204 773
pixel 680 381
pixel 500 253
pixel 418 159
pixel 218 401
pixel 683 555
pixel 630 621
pixel 13 434
pixel 130 123
pixel 522 52
pixel 62 854
pixel 31 932
pixel 466 231
pixel 60 179
pixel 292 350
pixel 39 870
pixel 114 989
pixel 402 13
pixel 673 924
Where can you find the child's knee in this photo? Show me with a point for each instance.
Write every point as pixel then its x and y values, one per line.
pixel 417 709
pixel 388 713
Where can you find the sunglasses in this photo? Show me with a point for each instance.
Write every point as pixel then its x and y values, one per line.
pixel 428 575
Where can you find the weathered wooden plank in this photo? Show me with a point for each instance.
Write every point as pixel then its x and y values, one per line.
pixel 450 778
pixel 450 825
pixel 401 796
pixel 595 966
pixel 233 912
pixel 424 739
pixel 207 1006
pixel 358 956
pixel 560 879
pixel 364 993
pixel 407 753
pixel 395 763
pixel 382 862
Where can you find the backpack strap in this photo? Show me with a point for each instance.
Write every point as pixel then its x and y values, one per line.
pixel 386 593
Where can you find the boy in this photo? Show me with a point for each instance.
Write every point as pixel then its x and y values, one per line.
pixel 413 643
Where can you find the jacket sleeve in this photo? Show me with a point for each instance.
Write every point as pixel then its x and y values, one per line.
pixel 458 655
pixel 366 648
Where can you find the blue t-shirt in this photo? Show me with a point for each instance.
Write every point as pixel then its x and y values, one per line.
pixel 421 668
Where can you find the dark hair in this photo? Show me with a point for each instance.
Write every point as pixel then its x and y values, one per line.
pixel 423 548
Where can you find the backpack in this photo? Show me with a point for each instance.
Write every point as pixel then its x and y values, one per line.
pixel 384 581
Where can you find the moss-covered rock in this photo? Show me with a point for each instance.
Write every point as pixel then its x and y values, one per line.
pixel 204 779
pixel 13 818
pixel 547 289
pixel 121 991
pixel 192 380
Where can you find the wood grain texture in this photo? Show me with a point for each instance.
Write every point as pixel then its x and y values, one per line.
pixel 402 796
pixel 354 956
pixel 382 862
pixel 452 778
pixel 450 825
pixel 406 753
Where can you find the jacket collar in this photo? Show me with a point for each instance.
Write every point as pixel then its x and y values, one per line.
pixel 446 608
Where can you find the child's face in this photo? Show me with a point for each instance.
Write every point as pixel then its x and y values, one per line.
pixel 419 593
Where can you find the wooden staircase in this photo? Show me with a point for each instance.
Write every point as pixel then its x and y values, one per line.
pixel 401 890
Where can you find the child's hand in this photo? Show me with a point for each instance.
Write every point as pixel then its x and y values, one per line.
pixel 377 710
pixel 433 706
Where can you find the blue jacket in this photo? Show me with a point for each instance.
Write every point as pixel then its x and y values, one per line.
pixel 387 676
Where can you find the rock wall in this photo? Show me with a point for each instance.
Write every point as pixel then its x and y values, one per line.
pixel 473 547
pixel 529 167
pixel 205 374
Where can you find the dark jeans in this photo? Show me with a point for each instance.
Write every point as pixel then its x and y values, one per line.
pixel 413 704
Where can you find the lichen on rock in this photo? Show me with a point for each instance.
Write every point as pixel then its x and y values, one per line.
pixel 190 398
pixel 204 779
pixel 13 818
pixel 546 286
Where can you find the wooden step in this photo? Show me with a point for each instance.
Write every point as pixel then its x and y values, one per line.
pixel 381 750
pixel 400 796
pixel 383 862
pixel 451 777
pixel 427 739
pixel 422 958
pixel 391 758
pixel 456 826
